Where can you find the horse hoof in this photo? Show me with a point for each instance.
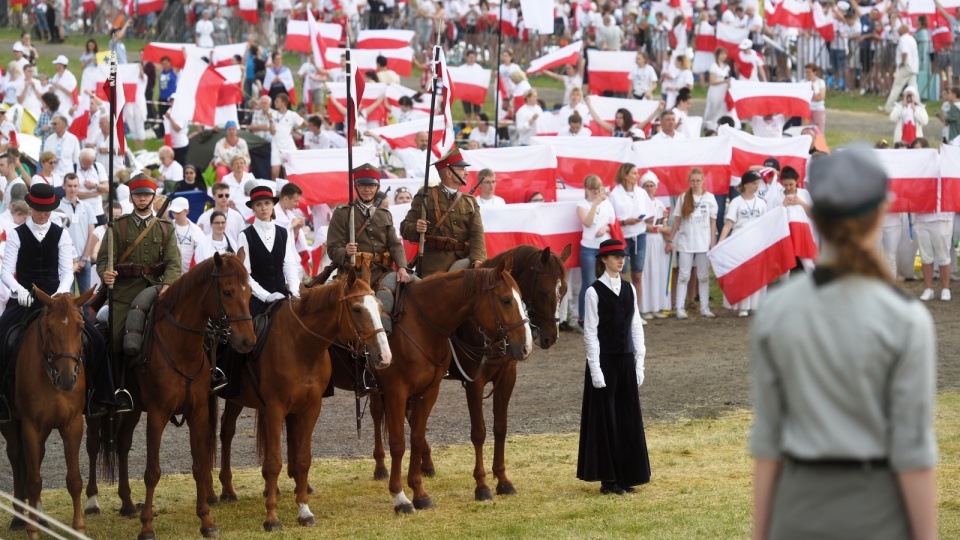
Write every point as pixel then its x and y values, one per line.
pixel 307 522
pixel 380 474
pixel 429 473
pixel 210 532
pixel 423 504
pixel 213 500
pixel 309 489
pixel 17 524
pixel 405 508
pixel 147 536
pixel 228 497
pixel 129 512
pixel 95 511
pixel 271 526
pixel 483 494
pixel 506 489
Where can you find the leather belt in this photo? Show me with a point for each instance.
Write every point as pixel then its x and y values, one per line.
pixel 444 243
pixel 133 270
pixel 866 464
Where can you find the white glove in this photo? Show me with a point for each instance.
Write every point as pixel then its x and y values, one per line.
pixel 273 297
pixel 24 297
pixel 640 376
pixel 596 375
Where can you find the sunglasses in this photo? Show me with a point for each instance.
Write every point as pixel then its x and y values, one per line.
pixel 218 223
pixel 222 195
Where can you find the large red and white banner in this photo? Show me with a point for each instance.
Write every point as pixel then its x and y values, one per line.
pixel 752 98
pixel 914 178
pixel 384 39
pixel 791 14
pixel 729 37
pixel 298 36
pixel 145 7
pixel 578 157
pixel 198 91
pixel 761 252
pixel 610 70
pixel 471 83
pixel 565 56
pixel 607 107
pixel 405 135
pixel 176 52
pixel 538 15
pixel 823 22
pixel 322 174
pixel 223 54
pixel 672 160
pixel 949 178
pixel 399 60
pixel 751 151
pixel 248 11
pixel 519 170
pixel 421 102
pixel 371 93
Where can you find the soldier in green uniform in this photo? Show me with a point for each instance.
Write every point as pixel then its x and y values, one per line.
pixel 153 260
pixel 376 237
pixel 453 225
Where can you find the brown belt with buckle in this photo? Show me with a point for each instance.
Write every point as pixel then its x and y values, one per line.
pixel 384 259
pixel 444 243
pixel 134 270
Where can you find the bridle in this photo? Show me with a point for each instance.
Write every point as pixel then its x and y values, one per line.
pixel 50 358
pixel 500 338
pixel 530 279
pixel 357 348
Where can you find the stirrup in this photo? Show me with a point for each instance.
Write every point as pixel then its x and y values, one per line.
pixel 218 380
pixel 6 415
pixel 124 400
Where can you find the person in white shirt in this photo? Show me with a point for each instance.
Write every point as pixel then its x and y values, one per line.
pixel 506 68
pixel 483 134
pixel 526 119
pixel 222 203
pixel 179 135
pixel 282 123
pixel 93 183
pixel 741 211
pixel 290 217
pixel 406 113
pixel 29 92
pixel 643 78
pixel 64 84
pixel 633 210
pixel 751 63
pixel 82 223
pixel 574 127
pixel 908 65
pixel 668 128
pixel 262 241
pixel 414 160
pixel 169 169
pixel 609 36
pixel 7 129
pixel 572 79
pixel 677 79
pixel 64 145
pixel 312 84
pixel 204 30
pixel 488 185
pixel 237 179
pixel 694 229
pixel 314 138
pixel 194 245
pixel 769 126
pixel 100 143
pixel 576 104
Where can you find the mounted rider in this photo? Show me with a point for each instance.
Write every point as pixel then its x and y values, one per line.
pixel 453 226
pixel 375 235
pixel 39 254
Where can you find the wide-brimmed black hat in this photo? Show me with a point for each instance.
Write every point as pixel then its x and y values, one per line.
pixel 260 193
pixel 42 198
pixel 612 247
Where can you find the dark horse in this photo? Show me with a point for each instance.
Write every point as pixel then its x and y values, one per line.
pixel 428 314
pixel 541 276
pixel 210 302
pixel 50 392
pixel 286 382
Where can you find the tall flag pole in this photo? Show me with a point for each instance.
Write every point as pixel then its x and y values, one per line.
pixel 496 108
pixel 434 87
pixel 351 136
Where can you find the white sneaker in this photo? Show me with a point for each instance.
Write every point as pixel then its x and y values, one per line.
pixel 927 295
pixel 681 314
pixel 706 313
pixel 660 315
pixel 647 316
pixel 945 295
pixel 643 322
pixel 744 313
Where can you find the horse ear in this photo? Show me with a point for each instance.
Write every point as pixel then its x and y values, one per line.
pixel 43 297
pixel 241 254
pixel 545 255
pixel 567 251
pixel 351 276
pixel 84 298
pixel 506 264
pixel 365 272
pixel 218 260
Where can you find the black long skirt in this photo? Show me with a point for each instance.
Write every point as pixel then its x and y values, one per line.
pixel 613 447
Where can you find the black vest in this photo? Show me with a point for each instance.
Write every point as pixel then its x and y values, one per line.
pixel 267 266
pixel 38 263
pixel 616 317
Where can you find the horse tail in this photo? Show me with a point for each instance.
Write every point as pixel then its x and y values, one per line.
pixel 213 412
pixel 261 432
pixel 107 458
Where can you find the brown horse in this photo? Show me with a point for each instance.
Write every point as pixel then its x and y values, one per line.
pixel 211 301
pixel 541 276
pixel 429 314
pixel 50 393
pixel 287 381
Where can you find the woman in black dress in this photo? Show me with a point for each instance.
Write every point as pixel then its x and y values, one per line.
pixel 613 448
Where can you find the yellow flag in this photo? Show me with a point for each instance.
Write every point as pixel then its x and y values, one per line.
pixel 27 123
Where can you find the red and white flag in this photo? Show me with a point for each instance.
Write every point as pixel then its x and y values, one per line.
pixel 223 54
pixel 104 90
pixel 446 102
pixel 705 38
pixel 127 76
pixel 248 11
pixel 729 37
pixel 317 46
pixel 914 178
pixel 371 92
pixel 607 107
pixel 549 125
pixel 578 157
pixel 538 15
pixel 355 90
pixel 471 82
pixel 518 169
pixel 791 14
pixel 672 160
pixel 145 7
pixel 752 98
pixel 949 178
pixel 421 102
pixel 230 95
pixel 823 23
pixel 564 56
pixel 610 70
pixel 399 60
pixel 197 95
pixel 510 22
pixel 298 36
pixel 761 252
pixel 384 39
pixel 322 174
pixel 405 135
pixel 79 126
pixel 176 52
pixel 751 151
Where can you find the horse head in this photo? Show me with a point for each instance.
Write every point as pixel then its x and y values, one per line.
pixel 233 300
pixel 60 337
pixel 505 310
pixel 548 285
pixel 361 309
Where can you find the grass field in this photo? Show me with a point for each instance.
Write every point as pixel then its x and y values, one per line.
pixel 701 488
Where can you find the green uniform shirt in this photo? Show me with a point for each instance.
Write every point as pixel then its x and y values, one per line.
pixel 379 236
pixel 463 224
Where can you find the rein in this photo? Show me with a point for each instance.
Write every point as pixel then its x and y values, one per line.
pixel 49 359
pixel 360 348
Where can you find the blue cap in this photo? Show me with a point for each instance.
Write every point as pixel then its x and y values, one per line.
pixel 230 124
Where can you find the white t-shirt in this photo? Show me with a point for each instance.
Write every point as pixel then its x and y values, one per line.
pixel 178 139
pixel 67 149
pixel 604 216
pixel 96 174
pixel 487 139
pixel 818 86
pixel 174 171
pixel 741 211
pixel 907 44
pixel 68 81
pixel 770 129
pixel 526 123
pixel 204 30
pixel 235 224
pixel 193 244
pixel 693 235
pixel 630 205
pixel 284 124
pixel 642 79
pixel 492 201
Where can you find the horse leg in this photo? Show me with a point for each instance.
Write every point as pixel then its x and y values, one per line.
pixel 376 418
pixel 427 468
pixel 128 424
pixel 478 435
pixel 11 432
pixel 199 423
pixel 72 434
pixel 419 412
pixel 269 433
pixel 228 429
pixel 93 451
pixel 156 421
pixel 395 407
pixel 300 439
pixel 32 442
pixel 501 401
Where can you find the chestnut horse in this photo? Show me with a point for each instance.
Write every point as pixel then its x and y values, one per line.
pixel 210 302
pixel 541 276
pixel 429 313
pixel 287 380
pixel 50 393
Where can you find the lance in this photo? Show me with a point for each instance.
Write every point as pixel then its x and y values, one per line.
pixel 426 170
pixel 351 137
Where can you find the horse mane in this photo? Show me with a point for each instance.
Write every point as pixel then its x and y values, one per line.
pixel 62 305
pixel 316 298
pixel 198 276
pixel 524 257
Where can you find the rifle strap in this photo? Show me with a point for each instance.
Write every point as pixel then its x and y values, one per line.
pixel 368 221
pixel 436 205
pixel 156 219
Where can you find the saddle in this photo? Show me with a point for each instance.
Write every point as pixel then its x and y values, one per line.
pixel 389 295
pixel 10 347
pixel 233 363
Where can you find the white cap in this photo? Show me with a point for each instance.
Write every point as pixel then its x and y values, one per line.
pixel 746 44
pixel 179 205
pixel 844 6
pixel 649 176
pixel 61 60
pixel 637 132
pixel 18 47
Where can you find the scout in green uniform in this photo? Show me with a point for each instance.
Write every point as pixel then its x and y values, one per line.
pixel 376 236
pixel 453 225
pixel 154 260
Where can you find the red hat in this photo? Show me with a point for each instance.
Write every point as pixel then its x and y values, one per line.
pixel 612 247
pixel 365 173
pixel 451 159
pixel 141 183
pixel 260 193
